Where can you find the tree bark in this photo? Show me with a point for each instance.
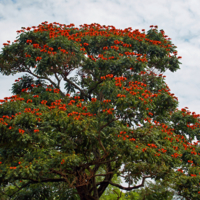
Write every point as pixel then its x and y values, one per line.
pixel 84 193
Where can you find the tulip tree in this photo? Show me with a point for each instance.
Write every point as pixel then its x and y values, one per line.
pixel 123 113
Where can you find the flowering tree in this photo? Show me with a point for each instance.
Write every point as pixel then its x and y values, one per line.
pixel 124 115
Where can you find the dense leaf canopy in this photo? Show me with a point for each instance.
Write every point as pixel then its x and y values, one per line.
pixel 124 115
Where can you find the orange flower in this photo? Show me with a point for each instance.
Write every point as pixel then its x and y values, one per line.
pixel 193 175
pixel 144 149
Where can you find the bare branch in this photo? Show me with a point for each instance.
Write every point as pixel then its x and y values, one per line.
pixel 45 77
pixel 126 188
pixel 58 80
pixel 82 91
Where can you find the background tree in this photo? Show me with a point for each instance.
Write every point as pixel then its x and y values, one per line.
pixel 125 113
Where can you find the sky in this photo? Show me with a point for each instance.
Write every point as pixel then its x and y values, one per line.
pixel 179 19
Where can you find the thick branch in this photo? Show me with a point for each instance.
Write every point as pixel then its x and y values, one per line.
pixel 125 188
pixel 63 175
pixel 49 180
pixel 104 184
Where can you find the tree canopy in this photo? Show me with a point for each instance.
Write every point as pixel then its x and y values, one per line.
pixel 124 114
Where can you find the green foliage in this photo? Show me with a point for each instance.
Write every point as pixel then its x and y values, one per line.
pixel 117 194
pixel 47 191
pixel 157 190
pixel 53 145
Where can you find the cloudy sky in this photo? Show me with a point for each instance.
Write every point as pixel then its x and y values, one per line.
pixel 179 19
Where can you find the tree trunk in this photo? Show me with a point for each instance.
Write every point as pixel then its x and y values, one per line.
pixel 84 194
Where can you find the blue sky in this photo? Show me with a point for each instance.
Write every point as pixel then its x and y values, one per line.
pixel 179 19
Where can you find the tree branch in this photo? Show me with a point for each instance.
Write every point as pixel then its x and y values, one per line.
pixel 58 80
pixel 45 77
pixel 63 175
pixel 125 188
pixel 104 184
pixel 99 137
pixel 20 188
pixel 82 91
